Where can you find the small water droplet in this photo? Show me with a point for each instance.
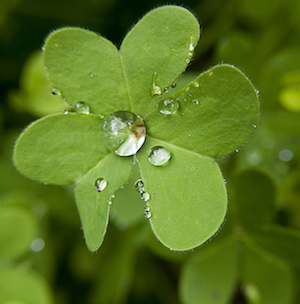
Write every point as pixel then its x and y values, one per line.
pixel 147 212
pixel 191 46
pixel 123 133
pixel 100 184
pixel 166 89
pixel 55 91
pixel 159 156
pixel 145 196
pixel 196 84
pixel 189 93
pixel 43 48
pixel 139 186
pixel 82 108
pixel 155 90
pixel 256 91
pixel 168 106
pixel 187 89
pixel 237 150
pixel 210 73
pixel 195 101
pixel 91 74
pixel 65 111
pixel 174 84
pixel 196 170
pixel 109 203
pixel 254 126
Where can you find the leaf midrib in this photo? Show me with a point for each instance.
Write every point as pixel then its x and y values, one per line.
pixel 126 80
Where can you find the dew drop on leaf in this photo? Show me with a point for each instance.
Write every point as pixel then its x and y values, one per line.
pixel 168 106
pixel 82 108
pixel 147 212
pixel 55 91
pixel 155 89
pixel 100 184
pixel 195 101
pixel 196 84
pixel 191 46
pixel 65 112
pixel 159 156
pixel 145 196
pixel 123 133
pixel 91 74
pixel 139 186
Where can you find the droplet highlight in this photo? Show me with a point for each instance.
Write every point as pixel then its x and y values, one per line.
pixel 123 133
pixel 100 184
pixel 159 156
pixel 82 108
pixel 168 106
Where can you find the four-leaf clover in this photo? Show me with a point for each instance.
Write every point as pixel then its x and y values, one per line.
pixel 125 113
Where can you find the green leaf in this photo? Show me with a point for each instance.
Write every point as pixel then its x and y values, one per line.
pixel 188 197
pixel 283 242
pixel 60 148
pixel 218 111
pixel 23 286
pixel 209 277
pixel 93 206
pixel 17 231
pixel 266 279
pixel 156 52
pixel 254 199
pixel 128 206
pixel 83 66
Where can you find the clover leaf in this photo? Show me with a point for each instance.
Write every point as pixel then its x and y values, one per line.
pixel 123 114
pixel 251 250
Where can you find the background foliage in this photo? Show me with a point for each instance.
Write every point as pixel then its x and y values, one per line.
pixel 43 258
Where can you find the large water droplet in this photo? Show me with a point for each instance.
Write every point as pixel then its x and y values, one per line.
pixel 123 133
pixel 168 106
pixel 158 156
pixel 100 184
pixel 82 108
pixel 155 90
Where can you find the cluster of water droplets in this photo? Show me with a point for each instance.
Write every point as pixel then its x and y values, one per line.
pixel 145 196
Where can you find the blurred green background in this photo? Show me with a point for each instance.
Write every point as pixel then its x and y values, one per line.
pixel 43 258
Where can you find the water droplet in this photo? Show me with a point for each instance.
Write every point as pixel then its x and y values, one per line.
pixel 37 245
pixel 100 184
pixel 174 84
pixel 254 126
pixel 43 48
pixel 168 106
pixel 155 90
pixel 65 111
pixel 191 46
pixel 55 91
pixel 91 74
pixel 195 101
pixel 237 150
pixel 166 89
pixel 286 155
pixel 159 156
pixel 147 212
pixel 123 133
pixel 145 196
pixel 139 186
pixel 196 84
pixel 256 91
pixel 82 108
pixel 210 73
pixel 109 203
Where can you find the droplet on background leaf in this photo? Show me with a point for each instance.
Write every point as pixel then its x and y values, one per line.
pixel 123 133
pixel 100 184
pixel 159 156
pixel 168 106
